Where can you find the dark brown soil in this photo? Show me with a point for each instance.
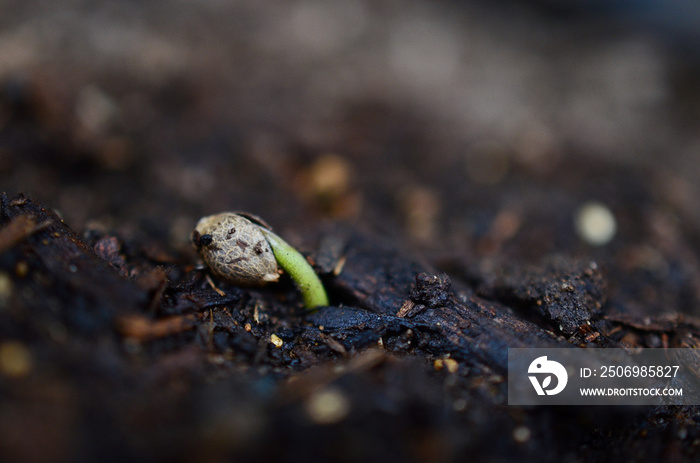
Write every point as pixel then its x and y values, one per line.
pixel 439 249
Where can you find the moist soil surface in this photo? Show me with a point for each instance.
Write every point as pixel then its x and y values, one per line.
pixel 116 344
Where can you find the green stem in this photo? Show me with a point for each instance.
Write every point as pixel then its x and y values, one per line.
pixel 312 290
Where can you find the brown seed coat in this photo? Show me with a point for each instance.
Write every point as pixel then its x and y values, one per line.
pixel 239 252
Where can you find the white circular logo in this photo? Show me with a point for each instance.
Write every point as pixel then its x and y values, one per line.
pixel 545 369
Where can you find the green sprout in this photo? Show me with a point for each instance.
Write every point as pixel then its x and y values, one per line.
pixel 298 269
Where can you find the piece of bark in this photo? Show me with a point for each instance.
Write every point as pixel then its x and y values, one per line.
pixel 58 276
pixel 380 281
pixel 564 293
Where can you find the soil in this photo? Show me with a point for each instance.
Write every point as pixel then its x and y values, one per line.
pixel 442 239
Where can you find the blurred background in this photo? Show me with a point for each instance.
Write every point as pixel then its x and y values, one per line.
pixel 460 128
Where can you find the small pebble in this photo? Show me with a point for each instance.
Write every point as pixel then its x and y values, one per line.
pixel 522 434
pixel 6 288
pixel 448 364
pixel 330 176
pixel 15 359
pixel 595 224
pixel 327 406
pixel 21 269
pixel 276 340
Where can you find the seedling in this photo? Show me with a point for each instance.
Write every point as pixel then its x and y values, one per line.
pixel 242 249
